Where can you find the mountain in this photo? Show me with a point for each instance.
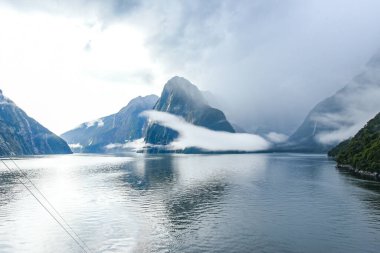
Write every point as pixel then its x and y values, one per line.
pixel 182 98
pixel 126 125
pixel 363 150
pixel 22 135
pixel 340 116
pixel 216 102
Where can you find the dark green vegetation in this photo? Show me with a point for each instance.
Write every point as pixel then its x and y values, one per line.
pixel 126 125
pixel 363 150
pixel 22 135
pixel 182 98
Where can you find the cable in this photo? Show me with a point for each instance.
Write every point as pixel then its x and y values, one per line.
pixel 20 171
pixel 46 209
pixel 51 205
pixel 85 248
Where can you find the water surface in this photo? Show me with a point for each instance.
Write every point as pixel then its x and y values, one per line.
pixel 191 203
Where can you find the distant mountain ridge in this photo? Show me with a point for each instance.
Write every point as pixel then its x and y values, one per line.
pixel 340 116
pixel 125 125
pixel 22 135
pixel 182 98
pixel 179 97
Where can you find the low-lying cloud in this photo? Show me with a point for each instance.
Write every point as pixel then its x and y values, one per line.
pixel 75 146
pixel 98 123
pixel 203 138
pixel 135 145
pixel 358 103
pixel 277 137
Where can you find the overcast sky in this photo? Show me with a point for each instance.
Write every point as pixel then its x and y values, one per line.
pixel 269 61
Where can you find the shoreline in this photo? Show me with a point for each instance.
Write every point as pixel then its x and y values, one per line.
pixel 375 176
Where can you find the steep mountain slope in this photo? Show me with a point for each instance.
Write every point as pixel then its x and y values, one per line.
pixel 126 125
pixel 182 98
pixel 363 150
pixel 22 135
pixel 340 116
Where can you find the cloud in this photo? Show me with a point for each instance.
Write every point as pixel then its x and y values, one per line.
pixel 105 11
pixel 357 103
pixel 276 137
pixel 203 138
pixel 269 61
pixel 69 82
pixel 337 136
pixel 135 145
pixel 75 146
pixel 97 123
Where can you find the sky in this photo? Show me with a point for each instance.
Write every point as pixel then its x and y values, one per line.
pixel 267 61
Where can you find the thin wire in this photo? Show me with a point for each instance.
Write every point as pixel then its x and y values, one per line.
pixel 46 209
pixel 20 171
pixel 51 205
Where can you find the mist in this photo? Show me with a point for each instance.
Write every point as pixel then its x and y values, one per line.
pixel 269 62
pixel 191 136
pixel 359 102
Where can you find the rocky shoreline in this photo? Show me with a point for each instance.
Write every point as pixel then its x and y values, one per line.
pixel 360 173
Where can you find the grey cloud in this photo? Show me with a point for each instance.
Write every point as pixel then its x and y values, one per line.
pixel 269 61
pixel 101 11
pixel 359 101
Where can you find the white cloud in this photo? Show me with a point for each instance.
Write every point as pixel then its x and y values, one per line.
pixel 277 137
pixel 98 123
pixel 339 135
pixel 135 145
pixel 203 138
pixel 359 102
pixel 46 70
pixel 66 62
pixel 75 145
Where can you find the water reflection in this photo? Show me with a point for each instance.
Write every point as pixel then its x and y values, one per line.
pixel 191 203
pixel 175 182
pixel 8 181
pixel 367 191
pixel 187 207
pixel 148 172
pixel 10 185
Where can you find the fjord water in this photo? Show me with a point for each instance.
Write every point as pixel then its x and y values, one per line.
pixel 191 203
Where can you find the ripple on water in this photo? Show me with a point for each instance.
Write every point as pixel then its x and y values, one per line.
pixel 192 203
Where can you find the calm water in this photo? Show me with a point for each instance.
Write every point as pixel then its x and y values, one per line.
pixel 191 203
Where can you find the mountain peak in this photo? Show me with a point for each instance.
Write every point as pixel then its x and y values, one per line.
pixel 179 82
pixel 5 101
pixel 125 125
pixel 182 87
pixel 22 135
pixel 182 98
